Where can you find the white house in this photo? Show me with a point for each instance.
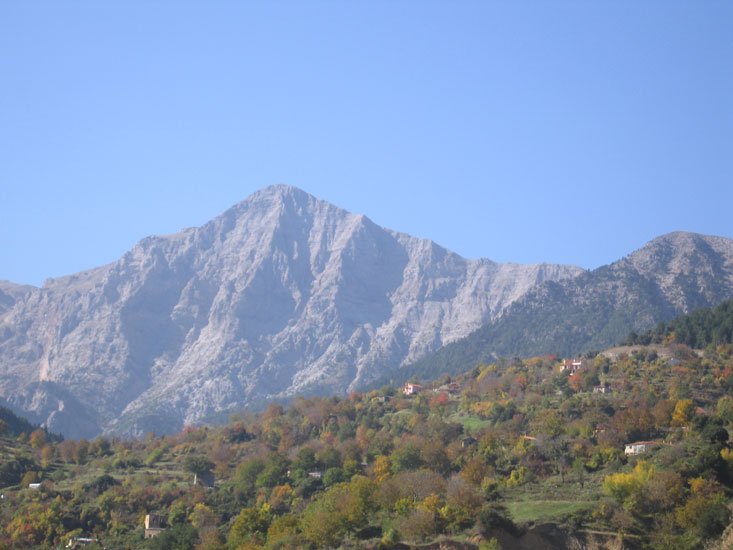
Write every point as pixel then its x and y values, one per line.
pixel 633 449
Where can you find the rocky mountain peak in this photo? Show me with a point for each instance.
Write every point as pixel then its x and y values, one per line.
pixel 691 269
pixel 281 294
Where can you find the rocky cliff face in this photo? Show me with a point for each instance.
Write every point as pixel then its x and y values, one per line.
pixel 281 294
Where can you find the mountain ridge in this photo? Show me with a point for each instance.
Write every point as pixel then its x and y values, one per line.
pixel 670 275
pixel 281 293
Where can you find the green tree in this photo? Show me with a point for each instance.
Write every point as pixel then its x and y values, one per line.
pixel 333 476
pixel 81 450
pixel 182 536
pixel 247 475
pixel 282 529
pixel 275 471
pixel 406 457
pixel 579 471
pixel 197 464
pixel 493 517
pixel 342 509
pixel 249 522
pixel 305 459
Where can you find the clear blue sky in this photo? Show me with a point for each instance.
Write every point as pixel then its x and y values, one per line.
pixel 568 132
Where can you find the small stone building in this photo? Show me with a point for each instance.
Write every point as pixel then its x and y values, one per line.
pixel 154 525
pixel 205 480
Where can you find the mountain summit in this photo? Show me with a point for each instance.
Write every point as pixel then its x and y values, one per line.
pixel 281 294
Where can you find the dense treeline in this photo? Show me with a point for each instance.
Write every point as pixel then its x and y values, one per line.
pixel 479 457
pixel 13 425
pixel 699 329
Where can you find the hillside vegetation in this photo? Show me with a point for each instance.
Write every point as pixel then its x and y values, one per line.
pixel 482 460
pixel 701 328
pixel 13 425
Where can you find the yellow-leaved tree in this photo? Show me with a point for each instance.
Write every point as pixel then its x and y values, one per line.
pixel 625 487
pixel 684 410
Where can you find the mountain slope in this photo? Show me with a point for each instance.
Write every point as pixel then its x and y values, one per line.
pixel 671 275
pixel 699 329
pixel 282 293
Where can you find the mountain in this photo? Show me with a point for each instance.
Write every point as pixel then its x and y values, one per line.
pixel 281 294
pixel 671 275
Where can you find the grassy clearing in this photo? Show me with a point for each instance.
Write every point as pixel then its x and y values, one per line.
pixel 471 424
pixel 75 475
pixel 551 500
pixel 545 510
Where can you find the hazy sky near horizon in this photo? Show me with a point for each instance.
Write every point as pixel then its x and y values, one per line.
pixel 569 132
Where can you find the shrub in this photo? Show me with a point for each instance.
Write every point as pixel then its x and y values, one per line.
pixel 495 516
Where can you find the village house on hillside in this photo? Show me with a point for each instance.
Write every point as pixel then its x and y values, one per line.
pixel 451 388
pixel 640 447
pixel 573 365
pixel 205 480
pixel 467 442
pixel 80 542
pixel 408 388
pixel 154 525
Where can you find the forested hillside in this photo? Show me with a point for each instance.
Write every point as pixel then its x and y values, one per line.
pixel 699 329
pixel 485 459
pixel 13 425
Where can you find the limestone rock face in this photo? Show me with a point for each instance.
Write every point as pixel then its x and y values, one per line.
pixel 281 294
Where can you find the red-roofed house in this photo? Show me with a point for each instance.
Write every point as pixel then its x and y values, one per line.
pixel 411 389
